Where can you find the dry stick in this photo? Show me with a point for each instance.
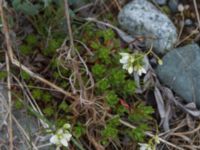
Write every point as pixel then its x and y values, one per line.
pixel 72 48
pixel 182 25
pixel 118 5
pixel 5 30
pixel 18 64
pixel 9 104
pixel 187 37
pixel 69 25
pixel 36 76
pixel 197 12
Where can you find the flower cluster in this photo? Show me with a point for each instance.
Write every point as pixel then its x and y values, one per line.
pixel 133 62
pixel 62 136
pixel 151 144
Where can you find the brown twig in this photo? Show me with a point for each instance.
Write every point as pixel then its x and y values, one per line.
pixel 69 26
pixel 118 5
pixel 9 103
pixel 71 53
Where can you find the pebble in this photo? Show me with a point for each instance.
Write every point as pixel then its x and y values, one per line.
pixel 173 5
pixel 142 18
pixel 188 22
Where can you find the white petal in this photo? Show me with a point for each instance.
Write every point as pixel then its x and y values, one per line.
pixel 67 136
pixel 60 131
pixel 144 146
pixel 124 60
pixel 125 66
pixel 64 142
pixel 54 140
pixel 124 54
pixel 143 70
pixel 139 72
pixel 130 70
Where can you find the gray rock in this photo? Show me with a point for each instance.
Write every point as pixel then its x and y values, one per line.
pixel 141 18
pixel 181 72
pixel 173 5
pixel 28 122
pixel 161 2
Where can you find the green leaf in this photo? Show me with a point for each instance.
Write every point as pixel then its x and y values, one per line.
pixel 51 49
pixel 108 34
pixel 79 130
pixel 111 98
pixel 129 87
pixel 98 70
pixel 103 54
pixel 137 134
pixel 64 106
pixel 18 104
pixel 103 85
pixel 95 45
pixel 48 111
pixel 109 132
pixel 114 121
pixel 46 97
pixel 25 75
pixel 117 77
pixel 31 39
pixel 121 110
pixel 141 113
pixel 3 74
pixel 25 49
pixel 37 93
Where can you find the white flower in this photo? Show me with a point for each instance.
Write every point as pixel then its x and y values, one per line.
pixel 127 61
pixel 144 146
pixel 130 69
pixel 62 136
pixel 130 63
pixel 125 58
pixel 140 70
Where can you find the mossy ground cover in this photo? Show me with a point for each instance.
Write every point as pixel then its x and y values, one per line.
pixel 105 94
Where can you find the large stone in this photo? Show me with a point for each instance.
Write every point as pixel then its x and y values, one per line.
pixel 26 121
pixel 181 72
pixel 142 18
